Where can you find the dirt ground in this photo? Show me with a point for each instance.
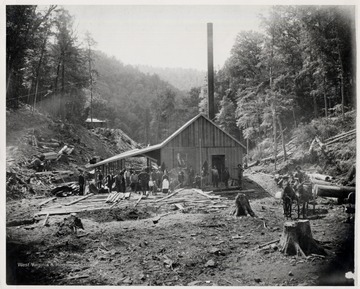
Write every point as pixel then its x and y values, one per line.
pixel 196 246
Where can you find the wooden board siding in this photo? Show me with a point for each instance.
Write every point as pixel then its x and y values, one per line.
pixel 233 157
pixel 210 135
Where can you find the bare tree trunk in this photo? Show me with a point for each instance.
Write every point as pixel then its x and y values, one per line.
pixel 282 137
pixel 38 71
pixel 29 93
pixel 293 111
pixel 325 98
pixel 315 105
pixel 273 108
pixel 62 103
pixel 341 74
pixel 275 136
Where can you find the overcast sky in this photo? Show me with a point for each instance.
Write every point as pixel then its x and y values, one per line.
pixel 165 36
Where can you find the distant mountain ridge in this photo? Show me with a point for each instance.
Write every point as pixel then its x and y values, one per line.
pixel 181 78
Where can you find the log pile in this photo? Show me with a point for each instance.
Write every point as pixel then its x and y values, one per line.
pixel 340 192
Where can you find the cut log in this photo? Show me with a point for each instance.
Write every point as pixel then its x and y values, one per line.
pixel 321 177
pixel 340 137
pixel 78 200
pixel 21 222
pixel 253 164
pixel 320 182
pixel 297 239
pixel 49 144
pixel 63 149
pixel 243 207
pixel 50 155
pixel 340 192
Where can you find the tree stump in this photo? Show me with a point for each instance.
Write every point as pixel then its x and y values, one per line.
pixel 297 239
pixel 243 206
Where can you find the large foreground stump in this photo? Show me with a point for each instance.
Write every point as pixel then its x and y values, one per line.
pixel 297 239
pixel 243 206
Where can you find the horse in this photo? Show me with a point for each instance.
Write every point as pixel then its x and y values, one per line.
pixel 288 197
pixel 304 195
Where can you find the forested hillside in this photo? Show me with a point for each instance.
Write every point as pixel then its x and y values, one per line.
pixel 181 78
pixel 54 70
pixel 143 105
pixel 301 67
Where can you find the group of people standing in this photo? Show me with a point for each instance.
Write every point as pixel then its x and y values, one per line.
pixel 148 180
pixel 216 178
pixel 143 182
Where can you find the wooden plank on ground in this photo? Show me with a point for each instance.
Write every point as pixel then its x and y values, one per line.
pixel 205 195
pixel 179 206
pixel 46 220
pixel 47 201
pixel 169 196
pixel 138 201
pixel 78 200
pixel 157 219
pixel 67 212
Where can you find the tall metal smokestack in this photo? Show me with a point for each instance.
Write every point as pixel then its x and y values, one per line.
pixel 210 71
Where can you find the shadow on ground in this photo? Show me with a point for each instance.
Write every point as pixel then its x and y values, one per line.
pixel 258 193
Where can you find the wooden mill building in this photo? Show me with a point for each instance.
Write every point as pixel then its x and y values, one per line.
pixel 198 141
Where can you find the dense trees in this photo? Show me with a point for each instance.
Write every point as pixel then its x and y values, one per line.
pixel 301 67
pixel 44 60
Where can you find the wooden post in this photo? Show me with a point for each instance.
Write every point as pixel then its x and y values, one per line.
pixel 200 164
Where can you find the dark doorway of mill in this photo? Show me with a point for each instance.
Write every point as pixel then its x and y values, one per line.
pixel 219 162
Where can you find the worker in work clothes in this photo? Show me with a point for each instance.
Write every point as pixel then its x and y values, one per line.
pixel 165 185
pixel 127 175
pixel 240 175
pixel 181 178
pixel 197 182
pixel 191 176
pixel 122 183
pixel 215 176
pixel 144 181
pixel 226 177
pixel 81 183
pixel 100 180
pixel 134 179
pixel 288 197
